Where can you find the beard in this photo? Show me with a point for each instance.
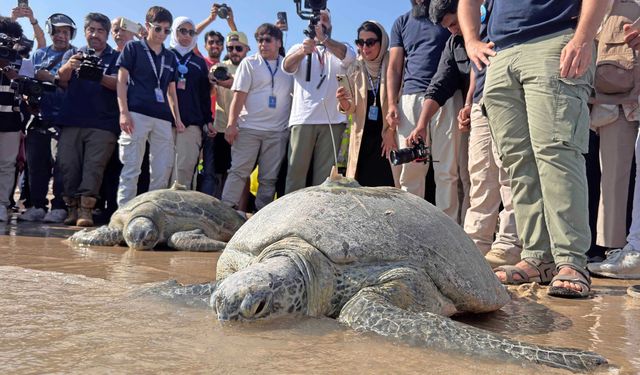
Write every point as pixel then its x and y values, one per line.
pixel 420 10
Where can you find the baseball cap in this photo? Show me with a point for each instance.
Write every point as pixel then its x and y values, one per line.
pixel 237 36
pixel 59 19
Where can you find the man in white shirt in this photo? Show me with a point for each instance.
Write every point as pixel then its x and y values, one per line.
pixel 315 106
pixel 257 126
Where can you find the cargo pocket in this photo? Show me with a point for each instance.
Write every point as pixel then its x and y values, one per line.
pixel 571 125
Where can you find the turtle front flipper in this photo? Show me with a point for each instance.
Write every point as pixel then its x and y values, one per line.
pixel 194 240
pixel 371 310
pixel 102 236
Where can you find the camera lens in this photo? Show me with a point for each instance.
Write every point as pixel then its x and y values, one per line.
pixel 223 12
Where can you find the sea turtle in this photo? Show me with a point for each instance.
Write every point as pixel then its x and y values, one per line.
pixel 376 259
pixel 183 219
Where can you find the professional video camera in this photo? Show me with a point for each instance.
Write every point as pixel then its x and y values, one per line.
pixel 7 52
pixel 31 88
pixel 90 69
pixel 312 14
pixel 418 152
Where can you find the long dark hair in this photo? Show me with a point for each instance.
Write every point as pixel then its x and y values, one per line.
pixel 371 27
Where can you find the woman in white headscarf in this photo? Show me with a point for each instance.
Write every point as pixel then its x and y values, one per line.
pixel 194 99
pixel 371 139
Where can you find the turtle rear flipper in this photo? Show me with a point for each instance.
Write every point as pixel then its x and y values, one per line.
pixel 102 236
pixel 194 240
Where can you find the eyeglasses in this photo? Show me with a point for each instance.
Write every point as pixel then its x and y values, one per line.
pixel 237 48
pixel 367 42
pixel 266 39
pixel 215 41
pixel 184 31
pixel 159 29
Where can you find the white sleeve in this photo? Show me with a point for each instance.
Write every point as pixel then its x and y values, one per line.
pixel 349 57
pixel 243 78
pixel 291 50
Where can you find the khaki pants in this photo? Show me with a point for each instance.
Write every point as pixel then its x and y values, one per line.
pixel 540 124
pixel 489 187
pixel 187 145
pixel 443 137
pixel 309 142
pixel 9 147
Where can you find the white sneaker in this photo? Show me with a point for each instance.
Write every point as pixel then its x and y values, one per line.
pixel 55 216
pixel 620 264
pixel 4 215
pixel 32 214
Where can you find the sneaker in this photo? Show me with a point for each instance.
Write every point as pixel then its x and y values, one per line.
pixel 4 214
pixel 55 216
pixel 620 264
pixel 501 257
pixel 32 214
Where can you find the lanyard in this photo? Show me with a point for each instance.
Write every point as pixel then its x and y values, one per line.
pixel 321 59
pixel 182 67
pixel 273 72
pixel 153 65
pixel 375 87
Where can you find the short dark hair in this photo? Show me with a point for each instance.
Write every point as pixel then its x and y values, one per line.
pixel 440 8
pixel 9 27
pixel 99 18
pixel 158 14
pixel 372 27
pixel 211 34
pixel 269 29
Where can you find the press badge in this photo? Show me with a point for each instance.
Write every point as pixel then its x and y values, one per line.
pixel 182 83
pixel 272 101
pixel 159 95
pixel 373 113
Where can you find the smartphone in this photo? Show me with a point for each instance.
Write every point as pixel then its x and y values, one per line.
pixel 127 24
pixel 23 3
pixel 343 81
pixel 282 17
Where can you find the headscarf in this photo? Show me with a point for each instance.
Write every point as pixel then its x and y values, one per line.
pixel 373 67
pixel 179 21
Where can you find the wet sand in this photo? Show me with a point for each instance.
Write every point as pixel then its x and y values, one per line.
pixel 78 310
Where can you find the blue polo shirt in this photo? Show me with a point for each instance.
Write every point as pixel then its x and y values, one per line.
pixel 51 102
pixel 195 100
pixel 143 82
pixel 515 22
pixel 423 43
pixel 89 104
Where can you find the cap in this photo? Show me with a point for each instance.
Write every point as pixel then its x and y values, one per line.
pixel 58 20
pixel 237 36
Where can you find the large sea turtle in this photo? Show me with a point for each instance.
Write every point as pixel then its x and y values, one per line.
pixel 183 219
pixel 376 259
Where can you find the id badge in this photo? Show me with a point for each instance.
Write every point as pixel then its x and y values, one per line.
pixel 373 113
pixel 159 95
pixel 182 83
pixel 272 101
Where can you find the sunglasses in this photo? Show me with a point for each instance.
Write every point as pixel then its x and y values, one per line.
pixel 367 42
pixel 212 42
pixel 266 39
pixel 236 48
pixel 185 32
pixel 159 29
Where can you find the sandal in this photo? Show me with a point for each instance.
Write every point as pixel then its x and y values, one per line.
pixel 582 279
pixel 546 272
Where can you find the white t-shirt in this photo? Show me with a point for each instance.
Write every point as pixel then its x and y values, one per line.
pixel 307 105
pixel 253 77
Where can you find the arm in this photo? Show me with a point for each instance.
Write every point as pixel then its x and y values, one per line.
pixel 207 21
pixel 110 82
pixel 38 34
pixel 577 56
pixel 239 99
pixel 292 61
pixel 469 18
pixel 126 123
pixel 394 78
pixel 447 78
pixel 464 115
pixel 66 70
pixel 172 96
pixel 429 109
pixel 205 98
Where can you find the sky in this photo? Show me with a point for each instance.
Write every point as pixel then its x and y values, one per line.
pixel 346 15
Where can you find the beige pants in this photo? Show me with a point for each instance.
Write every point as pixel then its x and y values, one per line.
pixel 9 146
pixel 187 145
pixel 617 143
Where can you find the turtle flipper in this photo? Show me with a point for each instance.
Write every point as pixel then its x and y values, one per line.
pixel 102 236
pixel 194 240
pixel 370 310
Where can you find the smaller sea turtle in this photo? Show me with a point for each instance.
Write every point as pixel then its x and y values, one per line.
pixel 183 219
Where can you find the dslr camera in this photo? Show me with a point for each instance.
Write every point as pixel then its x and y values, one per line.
pixel 7 52
pixel 223 11
pixel 220 73
pixel 418 152
pixel 31 88
pixel 90 69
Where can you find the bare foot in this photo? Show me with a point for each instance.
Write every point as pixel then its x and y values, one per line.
pixel 524 266
pixel 567 284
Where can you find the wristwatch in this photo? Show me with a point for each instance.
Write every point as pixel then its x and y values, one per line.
pixel 34 22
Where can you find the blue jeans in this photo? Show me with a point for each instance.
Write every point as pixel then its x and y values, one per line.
pixel 41 167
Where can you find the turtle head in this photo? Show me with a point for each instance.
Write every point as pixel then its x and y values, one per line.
pixel 271 288
pixel 141 233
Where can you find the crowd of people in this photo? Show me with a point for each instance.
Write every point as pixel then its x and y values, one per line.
pixel 506 98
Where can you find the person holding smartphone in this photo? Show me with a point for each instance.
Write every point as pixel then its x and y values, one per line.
pixel 371 138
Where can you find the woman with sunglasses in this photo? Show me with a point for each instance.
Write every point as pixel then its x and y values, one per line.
pixel 194 99
pixel 371 139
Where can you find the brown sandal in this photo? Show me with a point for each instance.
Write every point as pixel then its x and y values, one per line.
pixel 546 272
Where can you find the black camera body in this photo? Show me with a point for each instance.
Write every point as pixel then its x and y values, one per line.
pixel 7 52
pixel 418 152
pixel 220 73
pixel 90 69
pixel 31 88
pixel 311 13
pixel 223 11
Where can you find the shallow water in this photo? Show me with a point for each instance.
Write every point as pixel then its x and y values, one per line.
pixel 80 310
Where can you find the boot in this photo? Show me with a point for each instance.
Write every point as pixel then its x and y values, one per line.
pixel 72 210
pixel 85 213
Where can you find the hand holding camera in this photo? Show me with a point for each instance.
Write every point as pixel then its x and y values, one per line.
pixel 219 75
pixel 90 67
pixel 418 152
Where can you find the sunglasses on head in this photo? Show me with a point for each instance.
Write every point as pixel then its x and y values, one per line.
pixel 237 48
pixel 266 39
pixel 185 31
pixel 159 29
pixel 367 42
pixel 214 41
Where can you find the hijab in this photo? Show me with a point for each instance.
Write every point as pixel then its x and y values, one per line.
pixel 373 67
pixel 174 43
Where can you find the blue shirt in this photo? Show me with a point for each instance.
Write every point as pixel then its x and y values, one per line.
pixel 195 100
pixel 423 43
pixel 51 102
pixel 515 22
pixel 88 104
pixel 141 96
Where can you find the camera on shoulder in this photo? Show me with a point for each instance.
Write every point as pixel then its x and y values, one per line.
pixel 90 69
pixel 7 52
pixel 31 88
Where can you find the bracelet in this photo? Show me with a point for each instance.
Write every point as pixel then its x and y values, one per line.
pixel 34 23
pixel 468 105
